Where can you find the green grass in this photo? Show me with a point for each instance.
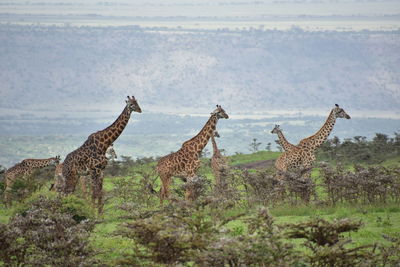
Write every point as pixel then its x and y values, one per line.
pixel 391 162
pixel 258 156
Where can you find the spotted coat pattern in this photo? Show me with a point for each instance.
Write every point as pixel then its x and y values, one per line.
pixel 90 158
pixel 302 156
pixel 23 170
pixel 218 161
pixel 84 181
pixel 185 162
pixel 282 140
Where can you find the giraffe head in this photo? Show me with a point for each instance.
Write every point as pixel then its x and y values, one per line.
pixel 339 112
pixel 220 113
pixel 276 129
pixel 216 134
pixel 55 161
pixel 133 105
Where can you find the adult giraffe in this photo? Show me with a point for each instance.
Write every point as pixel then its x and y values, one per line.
pixel 185 162
pixel 83 180
pixel 23 170
pixel 90 157
pixel 302 156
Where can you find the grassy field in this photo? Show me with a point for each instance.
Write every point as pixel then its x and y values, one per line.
pixel 377 219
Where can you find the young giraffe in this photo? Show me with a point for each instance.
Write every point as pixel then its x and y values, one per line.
pixel 83 180
pixel 218 162
pixel 23 170
pixel 282 140
pixel 301 157
pixel 90 157
pixel 185 162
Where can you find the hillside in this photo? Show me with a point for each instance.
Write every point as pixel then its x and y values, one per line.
pixel 88 68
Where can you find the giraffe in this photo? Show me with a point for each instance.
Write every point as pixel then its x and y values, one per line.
pixel 185 161
pixel 302 156
pixel 282 140
pixel 83 180
pixel 24 169
pixel 90 157
pixel 218 162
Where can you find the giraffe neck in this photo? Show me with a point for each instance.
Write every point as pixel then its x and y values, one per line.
pixel 214 144
pixel 284 143
pixel 112 132
pixel 201 139
pixel 38 163
pixel 314 141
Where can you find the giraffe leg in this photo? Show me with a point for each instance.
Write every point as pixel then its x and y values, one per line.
pixel 189 194
pixel 165 183
pixel 7 191
pixel 69 173
pixel 191 175
pixel 97 182
pixel 97 190
pixel 83 180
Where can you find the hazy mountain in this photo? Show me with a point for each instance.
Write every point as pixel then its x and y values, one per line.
pixel 70 68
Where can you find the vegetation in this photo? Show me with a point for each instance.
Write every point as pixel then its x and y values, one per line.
pixel 360 150
pixel 47 233
pixel 250 219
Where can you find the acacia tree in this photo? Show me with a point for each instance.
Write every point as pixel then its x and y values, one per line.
pixel 254 145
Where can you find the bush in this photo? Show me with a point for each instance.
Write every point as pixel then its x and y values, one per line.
pixel 190 233
pixel 77 207
pixel 262 187
pixel 25 187
pixel 46 234
pixel 373 184
pixel 327 245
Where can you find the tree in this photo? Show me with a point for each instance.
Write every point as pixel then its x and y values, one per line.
pixel 254 145
pixel 278 145
pixel 268 147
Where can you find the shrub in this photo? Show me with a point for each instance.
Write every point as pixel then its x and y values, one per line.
pixel 46 235
pixel 262 187
pixel 135 193
pixel 365 185
pixel 389 255
pixel 190 233
pixel 327 245
pixel 25 187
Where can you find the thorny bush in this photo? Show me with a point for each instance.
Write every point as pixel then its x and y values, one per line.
pixel 46 234
pixel 186 233
pixel 366 185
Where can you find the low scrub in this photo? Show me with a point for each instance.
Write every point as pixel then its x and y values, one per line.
pixel 46 234
pixel 366 185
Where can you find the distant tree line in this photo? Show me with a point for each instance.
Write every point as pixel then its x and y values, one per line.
pixel 360 150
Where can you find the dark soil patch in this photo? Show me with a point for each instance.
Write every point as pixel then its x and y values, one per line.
pixel 258 165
